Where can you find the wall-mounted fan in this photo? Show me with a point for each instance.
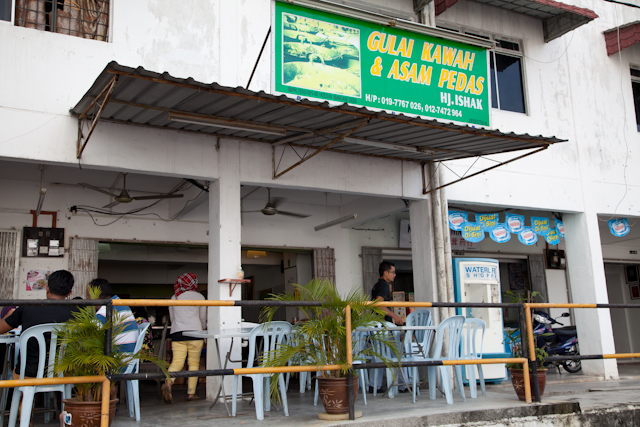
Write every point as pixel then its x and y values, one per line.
pixel 272 209
pixel 124 196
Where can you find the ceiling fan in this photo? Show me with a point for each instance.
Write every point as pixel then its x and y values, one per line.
pixel 271 208
pixel 124 196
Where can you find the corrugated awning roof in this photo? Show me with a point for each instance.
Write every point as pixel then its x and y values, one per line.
pixel 622 37
pixel 141 97
pixel 557 18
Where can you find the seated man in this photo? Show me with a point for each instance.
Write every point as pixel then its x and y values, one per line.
pixel 59 286
pixel 126 340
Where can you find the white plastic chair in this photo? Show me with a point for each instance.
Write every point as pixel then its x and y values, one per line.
pixel 453 326
pixel 472 349
pixel 45 370
pixel 273 334
pixel 133 388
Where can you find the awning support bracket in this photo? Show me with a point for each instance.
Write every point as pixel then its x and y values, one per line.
pixel 425 187
pixel 82 120
pixel 277 174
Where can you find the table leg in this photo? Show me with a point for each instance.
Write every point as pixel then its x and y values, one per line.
pixel 221 388
pixel 5 374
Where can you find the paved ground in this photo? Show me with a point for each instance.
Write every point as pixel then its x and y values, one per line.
pixel 564 393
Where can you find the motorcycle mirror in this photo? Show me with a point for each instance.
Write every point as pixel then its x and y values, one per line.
pixel 565 314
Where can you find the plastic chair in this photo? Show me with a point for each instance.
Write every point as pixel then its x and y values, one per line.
pixel 452 326
pixel 133 388
pixel 45 370
pixel 418 342
pixel 273 334
pixel 472 350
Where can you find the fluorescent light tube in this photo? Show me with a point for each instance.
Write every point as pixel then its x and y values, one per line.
pixel 335 222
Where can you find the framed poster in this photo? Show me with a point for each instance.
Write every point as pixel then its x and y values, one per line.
pixel 635 291
pixel 631 273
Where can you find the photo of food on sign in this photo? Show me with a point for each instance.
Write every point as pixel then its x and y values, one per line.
pixel 37 279
pixel 321 56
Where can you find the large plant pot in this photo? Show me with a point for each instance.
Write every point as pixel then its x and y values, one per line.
pixel 334 394
pixel 517 379
pixel 87 414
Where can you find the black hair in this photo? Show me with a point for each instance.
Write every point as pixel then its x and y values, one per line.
pixel 60 283
pixel 385 266
pixel 104 286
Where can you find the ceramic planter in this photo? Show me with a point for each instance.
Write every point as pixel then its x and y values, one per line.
pixel 334 394
pixel 517 379
pixel 87 414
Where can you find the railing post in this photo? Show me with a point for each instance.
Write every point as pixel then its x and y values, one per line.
pixel 349 349
pixel 532 351
pixel 108 335
pixel 106 397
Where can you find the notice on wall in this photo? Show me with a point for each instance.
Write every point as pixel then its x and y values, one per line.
pixel 323 56
pixel 37 279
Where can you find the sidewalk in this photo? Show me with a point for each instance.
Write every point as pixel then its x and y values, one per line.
pixel 569 399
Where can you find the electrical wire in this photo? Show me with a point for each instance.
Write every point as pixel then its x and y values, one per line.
pixel 31 131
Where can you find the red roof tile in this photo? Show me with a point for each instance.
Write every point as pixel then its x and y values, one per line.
pixel 628 35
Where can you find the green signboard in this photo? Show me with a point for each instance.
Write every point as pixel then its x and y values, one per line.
pixel 320 55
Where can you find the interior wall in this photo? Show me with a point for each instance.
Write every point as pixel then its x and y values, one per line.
pixel 624 321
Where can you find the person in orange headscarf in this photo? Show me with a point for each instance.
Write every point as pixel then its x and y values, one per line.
pixel 184 318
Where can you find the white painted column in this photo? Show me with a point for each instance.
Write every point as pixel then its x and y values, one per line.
pixel 224 257
pixel 588 285
pixel 423 252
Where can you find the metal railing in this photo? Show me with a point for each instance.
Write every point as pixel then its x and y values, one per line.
pixel 525 323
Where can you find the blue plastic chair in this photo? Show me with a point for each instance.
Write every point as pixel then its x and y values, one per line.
pixel 453 327
pixel 45 370
pixel 273 334
pixel 133 388
pixel 472 349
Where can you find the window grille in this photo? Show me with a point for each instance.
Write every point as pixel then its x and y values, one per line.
pixel 87 19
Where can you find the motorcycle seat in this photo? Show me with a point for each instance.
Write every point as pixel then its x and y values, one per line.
pixel 566 331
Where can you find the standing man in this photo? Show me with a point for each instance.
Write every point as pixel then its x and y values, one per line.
pixel 381 290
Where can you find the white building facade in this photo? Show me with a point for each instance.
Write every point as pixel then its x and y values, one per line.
pixel 568 87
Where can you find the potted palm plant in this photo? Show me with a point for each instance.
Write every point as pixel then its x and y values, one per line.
pixel 82 340
pixel 516 370
pixel 322 339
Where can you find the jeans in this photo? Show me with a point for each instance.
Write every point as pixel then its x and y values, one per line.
pixel 189 351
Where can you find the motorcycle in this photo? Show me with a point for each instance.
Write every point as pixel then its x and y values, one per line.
pixel 557 341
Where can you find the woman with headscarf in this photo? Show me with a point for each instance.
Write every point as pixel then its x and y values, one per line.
pixel 185 318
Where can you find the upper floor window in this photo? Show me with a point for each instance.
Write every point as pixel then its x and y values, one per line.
pixel 5 10
pixel 635 85
pixel 88 19
pixel 505 67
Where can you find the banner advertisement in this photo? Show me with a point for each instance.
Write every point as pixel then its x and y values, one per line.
pixel 559 228
pixel 489 221
pixel 540 225
pixel 515 222
pixel 500 233
pixel 528 236
pixel 619 227
pixel 552 238
pixel 456 219
pixel 322 56
pixel 472 232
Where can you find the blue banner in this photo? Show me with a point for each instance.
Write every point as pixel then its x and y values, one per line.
pixel 489 221
pixel 500 233
pixel 456 219
pixel 515 222
pixel 528 236
pixel 540 225
pixel 560 228
pixel 619 227
pixel 472 232
pixel 552 238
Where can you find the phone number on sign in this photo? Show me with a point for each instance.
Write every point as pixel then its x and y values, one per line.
pixel 416 106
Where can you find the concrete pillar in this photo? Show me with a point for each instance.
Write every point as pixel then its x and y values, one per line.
pixel 224 257
pixel 588 285
pixel 422 251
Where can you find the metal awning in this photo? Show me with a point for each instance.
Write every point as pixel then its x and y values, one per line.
pixel 557 18
pixel 137 96
pixel 622 37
